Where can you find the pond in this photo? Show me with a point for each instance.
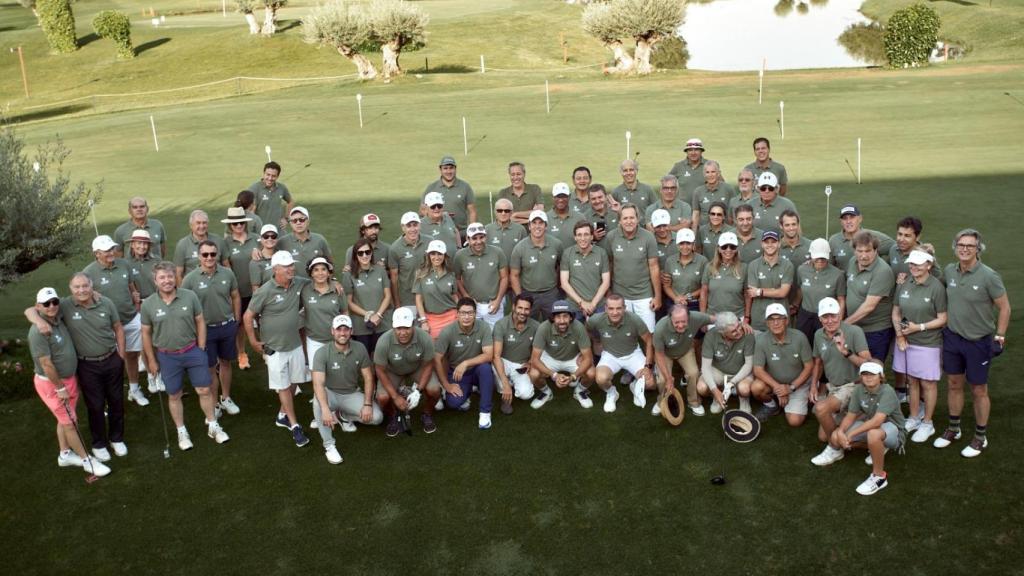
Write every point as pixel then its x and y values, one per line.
pixel 788 34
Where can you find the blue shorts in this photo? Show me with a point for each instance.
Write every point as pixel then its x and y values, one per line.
pixel 174 366
pixel 970 357
pixel 880 343
pixel 220 342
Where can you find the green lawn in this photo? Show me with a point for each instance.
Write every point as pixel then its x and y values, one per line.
pixel 557 491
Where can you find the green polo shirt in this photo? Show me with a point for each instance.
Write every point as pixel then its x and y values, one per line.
pixel 707 239
pixel 319 310
pixel 538 267
pixel 304 251
pixel 457 199
pixel 240 257
pixel 766 216
pixel 630 275
pixel 796 254
pixel 690 176
pixel 405 258
pixel 186 252
pixel 439 292
pixel 123 236
pixel 585 271
pixel 277 308
pixel 622 339
pixel 771 166
pixel 403 360
pixel 343 371
pixel 678 210
pixel 270 202
pixel 142 273
pixel 676 344
pixel 783 360
pixel 817 285
pixel 562 347
pixel 761 274
pixel 114 283
pixel 750 249
pixel 898 262
pixel 842 247
pixel 737 200
pixel 838 369
pixel 704 196
pixel 969 295
pixel 91 326
pixel 457 346
pixel 642 195
pixel 379 256
pixel 727 357
pixel 173 325
pixel 367 289
pixel 532 195
pixel 561 227
pixel 921 303
pixel 57 346
pixel 686 278
pixel 877 280
pixel 214 291
pixel 883 400
pixel 516 345
pixel 725 289
pixel 506 237
pixel 480 273
pixel 444 231
pixel 260 272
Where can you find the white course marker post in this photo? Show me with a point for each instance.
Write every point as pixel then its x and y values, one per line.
pixel 782 119
pixel 629 136
pixel 483 69
pixel 465 138
pixel 828 196
pixel 152 125
pixel 267 150
pixel 547 96
pixel 858 160
pixel 359 103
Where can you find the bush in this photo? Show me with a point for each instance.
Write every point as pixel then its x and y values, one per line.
pixel 58 23
pixel 117 27
pixel 865 41
pixel 910 35
pixel 671 54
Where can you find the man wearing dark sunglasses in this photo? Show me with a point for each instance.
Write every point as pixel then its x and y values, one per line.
pixel 303 244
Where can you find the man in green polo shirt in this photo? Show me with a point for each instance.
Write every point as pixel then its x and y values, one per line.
pixel 525 198
pixel 481 271
pixel 404 363
pixel 503 233
pixel 270 195
pixel 972 337
pixel 138 211
pixel 714 189
pixel 561 353
pixel 186 251
pixel 782 368
pixel 626 345
pixel 463 359
pixel 513 339
pixel 632 191
pixel 562 220
pixel 763 163
pixel 534 266
pixel 679 211
pixel 636 275
pixel 769 279
pixel 404 257
pixel 343 385
pixel 869 287
pixel 841 242
pixel 457 195
pixel 690 170
pixel 303 244
pixel 769 206
pixel 585 274
pixel 673 344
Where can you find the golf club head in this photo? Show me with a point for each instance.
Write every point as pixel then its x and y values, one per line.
pixel 718 480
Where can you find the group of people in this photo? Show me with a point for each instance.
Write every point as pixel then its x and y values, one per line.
pixel 695 284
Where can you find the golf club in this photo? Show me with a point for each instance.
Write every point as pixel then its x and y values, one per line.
pixel 74 421
pixel 163 416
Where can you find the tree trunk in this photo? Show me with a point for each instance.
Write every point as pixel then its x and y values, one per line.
pixel 254 27
pixel 643 56
pixel 623 61
pixel 390 51
pixel 269 21
pixel 366 69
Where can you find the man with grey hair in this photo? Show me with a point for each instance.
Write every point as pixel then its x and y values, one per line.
pixel 632 191
pixel 714 189
pixel 679 210
pixel 138 210
pixel 727 362
pixel 186 253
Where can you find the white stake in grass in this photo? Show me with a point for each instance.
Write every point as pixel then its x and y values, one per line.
pixel 547 96
pixel 828 211
pixel 858 160
pixel 152 125
pixel 359 103
pixel 629 136
pixel 782 119
pixel 465 138
pixel 267 150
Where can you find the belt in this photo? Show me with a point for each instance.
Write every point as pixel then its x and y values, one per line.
pixel 219 324
pixel 179 351
pixel 99 358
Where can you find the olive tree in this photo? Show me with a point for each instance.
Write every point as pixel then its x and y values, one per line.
pixel 344 27
pixel 396 25
pixel 270 8
pixel 246 8
pixel 645 22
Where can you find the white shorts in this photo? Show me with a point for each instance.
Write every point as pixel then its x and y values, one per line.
pixel 521 383
pixel 491 319
pixel 311 347
pixel 569 366
pixel 642 308
pixel 133 334
pixel 633 363
pixel 285 368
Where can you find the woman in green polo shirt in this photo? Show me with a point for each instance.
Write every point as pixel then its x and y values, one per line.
pixel 435 289
pixel 722 283
pixel 368 290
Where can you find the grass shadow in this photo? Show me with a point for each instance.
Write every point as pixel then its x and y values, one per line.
pixel 150 45
pixel 87 39
pixel 46 114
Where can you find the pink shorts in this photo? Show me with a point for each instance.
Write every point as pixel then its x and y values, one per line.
pixel 48 393
pixel 921 362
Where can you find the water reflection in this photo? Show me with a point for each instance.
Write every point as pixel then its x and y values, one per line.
pixel 789 34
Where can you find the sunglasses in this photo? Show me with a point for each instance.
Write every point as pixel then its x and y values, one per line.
pixel 503 210
pixel 766 188
pixel 299 220
pixel 51 303
pixel 269 236
pixel 436 206
pixel 728 247
pixel 208 254
pixel 364 252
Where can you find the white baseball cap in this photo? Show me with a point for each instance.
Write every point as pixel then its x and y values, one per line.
pixel 282 258
pixel 828 306
pixel 103 243
pixel 268 228
pixel 871 368
pixel 46 294
pixel 820 249
pixel 660 217
pixel 341 320
pixel 775 309
pixel 475 229
pixel 538 214
pixel 560 189
pixel 433 198
pixel 918 257
pixel 402 318
pixel 767 179
pixel 437 246
pixel 410 217
pixel 685 235
pixel 728 238
pixel 300 210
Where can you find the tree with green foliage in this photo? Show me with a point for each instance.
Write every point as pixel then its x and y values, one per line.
pixel 117 27
pixel 646 22
pixel 40 219
pixel 396 25
pixel 910 35
pixel 246 8
pixel 344 27
pixel 58 23
pixel 270 8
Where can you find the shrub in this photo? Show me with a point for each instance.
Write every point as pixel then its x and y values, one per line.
pixel 117 27
pixel 910 35
pixel 58 23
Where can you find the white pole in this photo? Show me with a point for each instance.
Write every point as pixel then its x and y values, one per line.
pixel 547 96
pixel 267 150
pixel 152 125
pixel 782 119
pixel 359 103
pixel 629 136
pixel 483 69
pixel 858 160
pixel 828 211
pixel 465 139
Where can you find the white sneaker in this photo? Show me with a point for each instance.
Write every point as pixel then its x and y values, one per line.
pixel 923 432
pixel 656 409
pixel 213 430
pixel 871 461
pixel 542 397
pixel 229 406
pixel 184 441
pixel 138 397
pixel 716 408
pixel 333 456
pixel 974 448
pixel 582 395
pixel 95 467
pixel 872 484
pixel 101 454
pixel 828 456
pixel 637 387
pixel 120 449
pixel 68 458
pixel 611 397
pixel 485 420
pixel 697 410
